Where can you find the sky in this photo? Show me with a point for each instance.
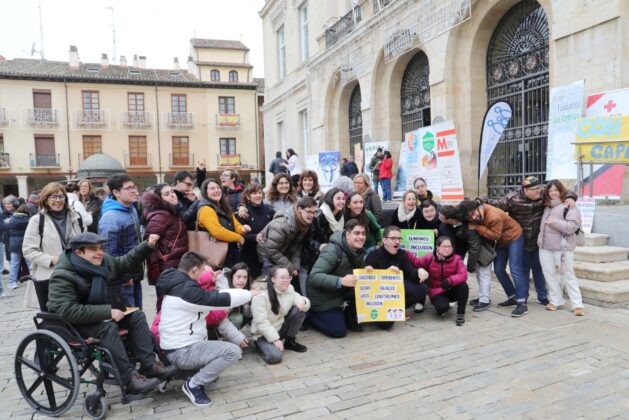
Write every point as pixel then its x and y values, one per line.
pixel 157 29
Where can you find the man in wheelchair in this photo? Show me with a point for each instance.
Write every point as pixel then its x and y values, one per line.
pixel 85 290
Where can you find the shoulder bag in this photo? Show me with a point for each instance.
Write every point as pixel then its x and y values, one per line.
pixel 205 244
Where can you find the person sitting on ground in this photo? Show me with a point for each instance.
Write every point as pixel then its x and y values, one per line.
pixel 238 277
pixel 84 290
pixel 408 215
pixel 446 278
pixel 390 256
pixel 183 330
pixel 277 315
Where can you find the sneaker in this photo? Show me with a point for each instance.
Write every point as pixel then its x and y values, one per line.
pixel 507 303
pixel 551 307
pixel 542 302
pixel 579 311
pixel 291 344
pixel 460 319
pixel 481 306
pixel 520 310
pixel 197 395
pixel 14 285
pixel 3 295
pixel 419 308
pixel 140 384
pixel 473 302
pixel 354 327
pixel 160 370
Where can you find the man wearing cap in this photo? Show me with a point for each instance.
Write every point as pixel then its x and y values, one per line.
pixel 526 207
pixel 85 291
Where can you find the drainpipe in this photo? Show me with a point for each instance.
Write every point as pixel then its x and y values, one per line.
pixel 65 85
pixel 159 144
pixel 255 109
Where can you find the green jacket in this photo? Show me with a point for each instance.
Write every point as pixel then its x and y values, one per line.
pixel 325 274
pixel 374 234
pixel 68 292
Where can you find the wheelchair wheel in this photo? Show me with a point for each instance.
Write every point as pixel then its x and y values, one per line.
pixel 95 406
pixel 47 373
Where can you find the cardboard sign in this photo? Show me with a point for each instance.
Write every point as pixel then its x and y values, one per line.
pixel 379 296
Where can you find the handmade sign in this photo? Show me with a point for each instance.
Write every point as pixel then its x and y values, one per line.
pixel 379 296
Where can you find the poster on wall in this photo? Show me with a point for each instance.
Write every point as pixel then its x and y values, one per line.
pixel 566 107
pixel 328 170
pixel 421 162
pixel 379 295
pixel 400 179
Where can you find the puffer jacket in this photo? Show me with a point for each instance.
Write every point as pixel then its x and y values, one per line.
pixel 550 234
pixel 497 226
pixel 526 212
pixel 163 219
pixel 325 274
pixel 283 241
pixel 16 226
pixel 267 323
pixel 121 226
pixel 374 204
pixel 450 268
pixel 386 169
pixel 465 241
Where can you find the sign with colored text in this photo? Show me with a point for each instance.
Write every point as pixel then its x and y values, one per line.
pixel 329 169
pixel 603 139
pixel 418 241
pixel 587 208
pixel 379 296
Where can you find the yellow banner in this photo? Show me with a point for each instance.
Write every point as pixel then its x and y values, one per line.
pixel 603 139
pixel 227 119
pixel 229 160
pixel 617 152
pixel 379 296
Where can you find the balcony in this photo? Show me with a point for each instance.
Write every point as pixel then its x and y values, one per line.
pixel 90 119
pixel 5 162
pixel 343 27
pixel 42 117
pixel 180 120
pixel 228 161
pixel 44 161
pixel 137 161
pixel 4 117
pixel 228 121
pixel 137 120
pixel 181 161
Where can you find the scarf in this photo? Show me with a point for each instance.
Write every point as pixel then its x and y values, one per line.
pixel 303 225
pixel 101 292
pixel 59 219
pixel 335 225
pixel 403 216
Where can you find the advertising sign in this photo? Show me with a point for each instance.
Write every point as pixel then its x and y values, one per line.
pixel 587 207
pixel 379 296
pixel 603 139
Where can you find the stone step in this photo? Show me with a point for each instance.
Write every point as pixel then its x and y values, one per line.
pixel 609 294
pixel 607 271
pixel 599 254
pixel 595 239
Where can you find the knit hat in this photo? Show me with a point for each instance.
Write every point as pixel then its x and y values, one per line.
pixel 530 181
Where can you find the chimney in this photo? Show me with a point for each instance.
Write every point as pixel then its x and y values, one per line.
pixel 74 58
pixel 142 62
pixel 135 60
pixel 123 61
pixel 104 61
pixel 192 67
pixel 176 63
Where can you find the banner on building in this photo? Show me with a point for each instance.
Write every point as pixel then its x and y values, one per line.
pixel 587 207
pixel 566 107
pixel 603 139
pixel 496 119
pixel 400 179
pixel 379 296
pixel 228 120
pixel 328 169
pixel 228 160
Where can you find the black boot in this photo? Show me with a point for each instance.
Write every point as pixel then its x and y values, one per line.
pixel 291 344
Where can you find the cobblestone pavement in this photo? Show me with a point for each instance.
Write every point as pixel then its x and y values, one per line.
pixel 544 365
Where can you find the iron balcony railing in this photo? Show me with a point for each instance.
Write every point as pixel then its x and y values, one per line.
pixel 5 161
pixel 44 161
pixel 84 118
pixel 4 117
pixel 181 160
pixel 343 27
pixel 42 117
pixel 136 119
pixel 137 161
pixel 180 120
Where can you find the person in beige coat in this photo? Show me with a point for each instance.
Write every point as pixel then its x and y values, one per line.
pixel 43 250
pixel 557 240
pixel 277 315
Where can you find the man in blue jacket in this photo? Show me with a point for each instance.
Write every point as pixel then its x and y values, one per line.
pixel 120 224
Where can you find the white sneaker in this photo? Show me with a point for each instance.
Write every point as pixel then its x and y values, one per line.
pixel 418 308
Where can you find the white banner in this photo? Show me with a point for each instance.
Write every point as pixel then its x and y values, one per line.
pixel 566 106
pixel 370 150
pixel 496 119
pixel 329 169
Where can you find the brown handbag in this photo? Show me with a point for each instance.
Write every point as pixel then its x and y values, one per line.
pixel 205 244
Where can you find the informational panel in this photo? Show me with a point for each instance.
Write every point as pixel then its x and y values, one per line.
pixel 379 296
pixel 587 207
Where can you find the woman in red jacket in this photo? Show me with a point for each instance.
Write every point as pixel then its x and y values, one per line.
pixel 386 173
pixel 447 277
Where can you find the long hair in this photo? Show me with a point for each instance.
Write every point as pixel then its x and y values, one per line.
pixel 270 287
pixel 253 187
pixel 315 181
pixel 274 195
pixel 90 193
pixel 236 267
pixel 328 198
pixel 222 203
pixel 362 216
pixel 562 191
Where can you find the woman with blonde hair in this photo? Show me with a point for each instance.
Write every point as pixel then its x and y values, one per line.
pixel 87 196
pixel 362 184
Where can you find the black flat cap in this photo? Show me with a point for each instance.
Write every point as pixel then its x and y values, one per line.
pixel 86 239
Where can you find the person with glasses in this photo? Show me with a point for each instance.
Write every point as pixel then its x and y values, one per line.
pixel 390 256
pixel 232 187
pixel 47 235
pixel 278 314
pixel 186 199
pixel 120 224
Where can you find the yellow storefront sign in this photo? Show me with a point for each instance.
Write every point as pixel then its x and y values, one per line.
pixel 379 296
pixel 603 139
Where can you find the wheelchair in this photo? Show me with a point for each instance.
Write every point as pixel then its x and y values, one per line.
pixel 50 364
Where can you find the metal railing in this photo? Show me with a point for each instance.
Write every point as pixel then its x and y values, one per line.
pixel 137 161
pixel 5 161
pixel 180 120
pixel 42 117
pixel 183 161
pixel 44 161
pixel 84 118
pixel 343 27
pixel 4 117
pixel 136 119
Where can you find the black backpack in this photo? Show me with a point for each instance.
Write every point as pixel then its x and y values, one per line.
pixel 42 220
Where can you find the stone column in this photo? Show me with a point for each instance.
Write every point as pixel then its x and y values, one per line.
pixel 160 178
pixel 22 185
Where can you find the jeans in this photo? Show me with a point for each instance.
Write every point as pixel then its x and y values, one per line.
pixel 292 322
pixel 376 182
pixel 16 259
pixel 133 294
pixel 207 358
pixel 386 189
pixel 531 262
pixel 331 322
pixel 513 252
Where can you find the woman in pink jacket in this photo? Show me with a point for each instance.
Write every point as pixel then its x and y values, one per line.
pixel 446 276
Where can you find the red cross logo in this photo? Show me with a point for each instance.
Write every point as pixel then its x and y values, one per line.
pixel 610 106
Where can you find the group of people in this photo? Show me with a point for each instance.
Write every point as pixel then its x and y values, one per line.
pixel 302 243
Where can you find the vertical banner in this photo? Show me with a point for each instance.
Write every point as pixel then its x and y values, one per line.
pixel 400 180
pixel 328 170
pixel 566 106
pixel 379 296
pixel 587 207
pixel 496 119
pixel 358 156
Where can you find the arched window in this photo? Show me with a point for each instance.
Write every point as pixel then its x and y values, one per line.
pixel 517 72
pixel 355 120
pixel 233 76
pixel 215 76
pixel 415 94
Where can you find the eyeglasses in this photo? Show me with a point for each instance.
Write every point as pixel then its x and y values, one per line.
pixel 59 197
pixel 394 238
